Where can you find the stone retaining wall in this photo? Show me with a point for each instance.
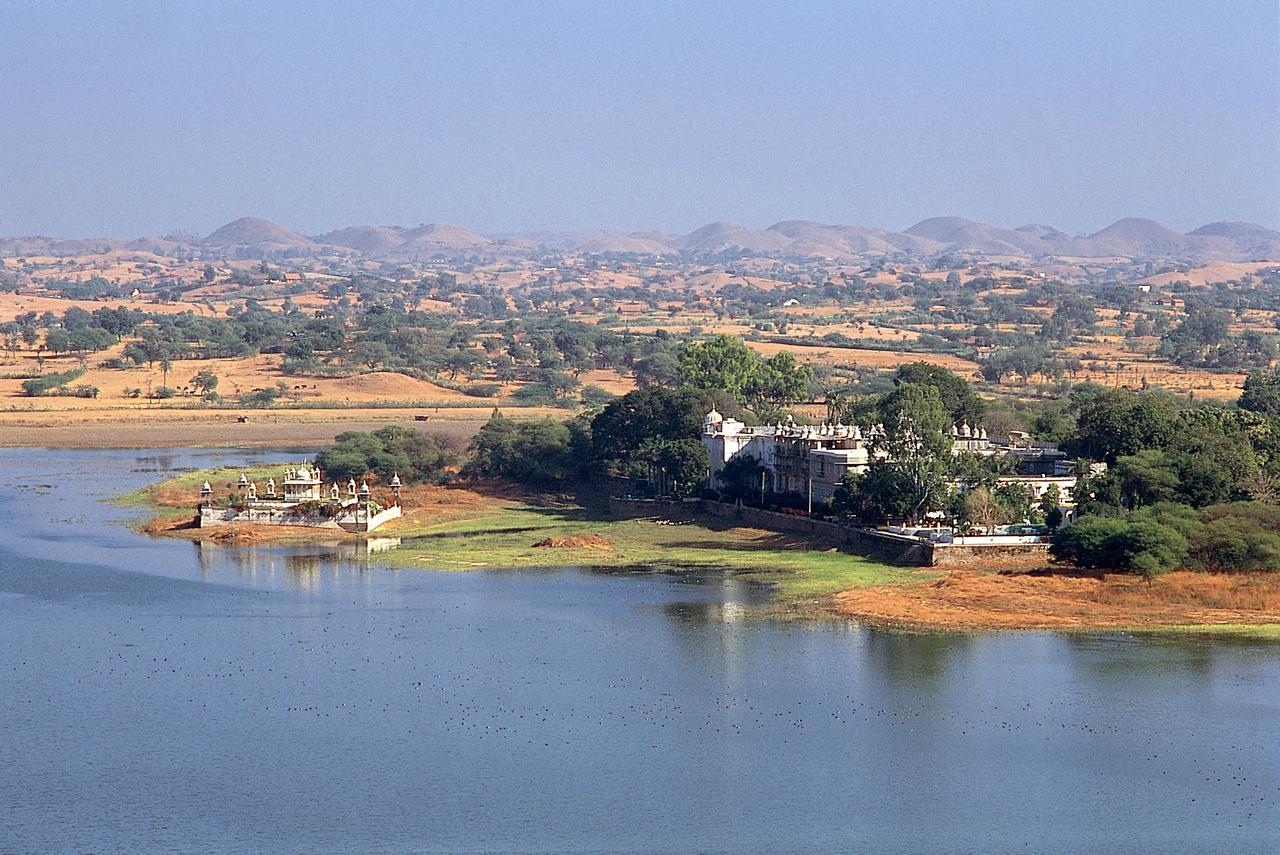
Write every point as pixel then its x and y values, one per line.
pixel 949 554
pixel 348 521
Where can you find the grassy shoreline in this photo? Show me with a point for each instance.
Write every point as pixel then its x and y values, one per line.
pixel 456 529
pixel 485 528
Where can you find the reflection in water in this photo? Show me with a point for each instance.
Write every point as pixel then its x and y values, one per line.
pixel 165 464
pixel 729 600
pixel 915 659
pixel 303 566
pixel 1125 658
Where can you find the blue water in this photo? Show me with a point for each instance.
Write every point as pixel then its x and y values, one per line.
pixel 163 696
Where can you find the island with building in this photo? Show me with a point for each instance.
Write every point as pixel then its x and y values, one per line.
pixel 302 499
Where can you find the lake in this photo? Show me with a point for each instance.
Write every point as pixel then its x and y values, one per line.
pixel 160 695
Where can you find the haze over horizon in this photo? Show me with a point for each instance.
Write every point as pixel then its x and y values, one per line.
pixel 132 119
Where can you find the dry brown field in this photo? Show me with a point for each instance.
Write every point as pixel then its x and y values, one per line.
pixel 966 600
pixel 1209 274
pixel 12 305
pixel 851 357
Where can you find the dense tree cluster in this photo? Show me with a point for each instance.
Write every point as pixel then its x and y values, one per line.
pixel 415 456
pixel 538 452
pixel 766 386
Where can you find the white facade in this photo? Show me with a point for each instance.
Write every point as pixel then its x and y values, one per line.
pixel 795 458
pixel 811 460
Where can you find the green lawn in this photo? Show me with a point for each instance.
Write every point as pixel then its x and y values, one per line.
pixel 504 538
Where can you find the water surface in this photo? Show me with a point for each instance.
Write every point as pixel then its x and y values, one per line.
pixel 160 695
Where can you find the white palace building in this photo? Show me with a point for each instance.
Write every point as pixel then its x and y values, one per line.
pixel 812 459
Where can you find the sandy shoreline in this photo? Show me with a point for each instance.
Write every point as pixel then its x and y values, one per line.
pixel 175 429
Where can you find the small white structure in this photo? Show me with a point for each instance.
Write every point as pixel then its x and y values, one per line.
pixel 302 484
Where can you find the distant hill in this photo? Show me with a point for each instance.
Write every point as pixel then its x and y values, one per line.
pixel 251 231
pixel 1130 238
pixel 715 238
pixel 442 237
pixel 1236 231
pixel 960 235
pixel 370 239
pixel 632 244
pixel 1133 237
pixel 157 245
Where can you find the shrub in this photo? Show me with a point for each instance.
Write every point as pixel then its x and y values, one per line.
pixel 537 394
pixel 595 396
pixel 1083 543
pixel 1147 548
pixel 1138 544
pixel 260 398
pixel 1241 537
pixel 47 382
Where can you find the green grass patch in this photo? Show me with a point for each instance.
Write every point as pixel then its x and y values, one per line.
pixel 504 537
pixel 501 535
pixel 1257 631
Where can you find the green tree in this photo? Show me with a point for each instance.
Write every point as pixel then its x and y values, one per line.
pixel 1049 507
pixel 725 363
pixel 538 452
pixel 1140 544
pixel 1085 542
pixel 342 464
pixel 653 413
pixel 1242 537
pixel 776 384
pixel 1145 478
pixel 741 478
pixel 1014 501
pixel 1115 423
pixel 205 381
pixel 1261 393
pixel 677 467
pixel 58 340
pixel 956 394
pixel 911 456
pixel 414 456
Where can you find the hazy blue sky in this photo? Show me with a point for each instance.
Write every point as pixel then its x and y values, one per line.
pixel 119 119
